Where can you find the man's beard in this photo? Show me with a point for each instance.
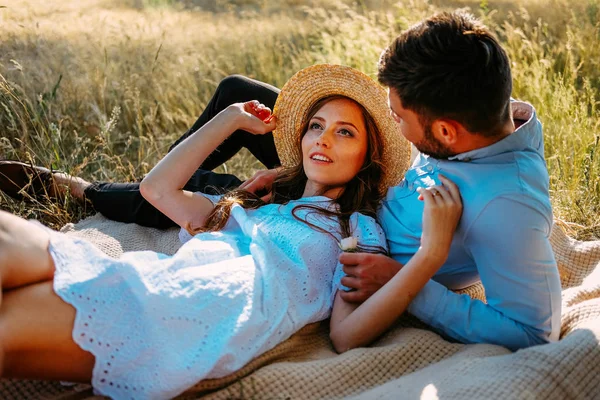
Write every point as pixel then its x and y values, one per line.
pixel 431 146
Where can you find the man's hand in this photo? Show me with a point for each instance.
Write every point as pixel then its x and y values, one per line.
pixel 366 273
pixel 261 183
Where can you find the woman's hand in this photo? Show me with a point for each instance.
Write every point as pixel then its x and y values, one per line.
pixel 443 208
pixel 351 325
pixel 253 116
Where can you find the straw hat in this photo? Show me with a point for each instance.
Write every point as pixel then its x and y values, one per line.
pixel 311 84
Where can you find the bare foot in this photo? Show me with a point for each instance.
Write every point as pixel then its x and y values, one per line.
pixel 75 185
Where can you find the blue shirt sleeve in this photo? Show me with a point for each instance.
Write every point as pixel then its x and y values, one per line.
pixel 509 243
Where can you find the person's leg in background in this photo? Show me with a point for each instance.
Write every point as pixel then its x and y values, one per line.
pixel 238 89
pixel 123 201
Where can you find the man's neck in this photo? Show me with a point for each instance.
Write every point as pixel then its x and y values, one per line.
pixel 477 141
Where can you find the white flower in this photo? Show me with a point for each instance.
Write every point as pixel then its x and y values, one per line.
pixel 349 244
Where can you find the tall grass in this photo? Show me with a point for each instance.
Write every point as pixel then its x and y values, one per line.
pixel 100 88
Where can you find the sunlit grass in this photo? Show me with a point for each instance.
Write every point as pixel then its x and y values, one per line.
pixel 101 88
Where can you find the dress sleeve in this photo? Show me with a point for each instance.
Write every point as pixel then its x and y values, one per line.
pixel 214 198
pixel 184 235
pixel 369 234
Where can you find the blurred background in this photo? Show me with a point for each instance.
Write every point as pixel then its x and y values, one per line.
pixel 101 88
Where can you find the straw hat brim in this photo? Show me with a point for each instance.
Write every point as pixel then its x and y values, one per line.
pixel 323 80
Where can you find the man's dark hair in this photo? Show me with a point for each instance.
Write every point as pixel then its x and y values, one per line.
pixel 450 66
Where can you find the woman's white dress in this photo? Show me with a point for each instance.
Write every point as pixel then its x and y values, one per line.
pixel 158 324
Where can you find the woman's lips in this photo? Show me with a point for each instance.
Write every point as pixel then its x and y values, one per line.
pixel 321 158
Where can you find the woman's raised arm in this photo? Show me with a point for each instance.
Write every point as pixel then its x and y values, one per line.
pixel 354 326
pixel 163 186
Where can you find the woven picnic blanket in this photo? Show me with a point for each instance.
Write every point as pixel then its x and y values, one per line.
pixel 408 362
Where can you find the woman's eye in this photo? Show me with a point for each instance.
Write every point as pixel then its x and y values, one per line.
pixel 346 132
pixel 314 125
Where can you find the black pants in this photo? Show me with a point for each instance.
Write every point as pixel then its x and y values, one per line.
pixel 123 201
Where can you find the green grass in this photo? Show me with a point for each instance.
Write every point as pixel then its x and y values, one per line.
pixel 100 88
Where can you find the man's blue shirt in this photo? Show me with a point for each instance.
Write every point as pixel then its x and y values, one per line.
pixel 502 239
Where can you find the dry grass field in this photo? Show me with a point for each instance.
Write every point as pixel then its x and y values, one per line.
pixel 100 88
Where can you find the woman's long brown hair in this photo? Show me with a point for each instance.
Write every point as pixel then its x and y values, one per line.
pixel 361 194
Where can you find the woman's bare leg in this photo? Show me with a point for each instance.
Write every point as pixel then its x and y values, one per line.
pixel 24 256
pixel 35 324
pixel 36 340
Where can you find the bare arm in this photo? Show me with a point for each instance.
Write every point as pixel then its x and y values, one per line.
pixel 354 325
pixel 163 186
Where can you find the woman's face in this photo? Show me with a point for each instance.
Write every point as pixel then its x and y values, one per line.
pixel 334 147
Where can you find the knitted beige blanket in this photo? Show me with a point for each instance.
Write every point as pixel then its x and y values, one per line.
pixel 408 362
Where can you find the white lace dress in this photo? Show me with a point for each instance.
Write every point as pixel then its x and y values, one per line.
pixel 158 324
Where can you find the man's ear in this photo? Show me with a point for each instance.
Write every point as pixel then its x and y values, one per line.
pixel 447 131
